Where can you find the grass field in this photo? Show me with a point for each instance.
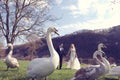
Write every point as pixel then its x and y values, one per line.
pixel 14 74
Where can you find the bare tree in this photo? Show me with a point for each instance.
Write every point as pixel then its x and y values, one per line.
pixel 32 38
pixel 23 17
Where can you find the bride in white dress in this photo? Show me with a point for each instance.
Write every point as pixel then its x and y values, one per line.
pixel 73 62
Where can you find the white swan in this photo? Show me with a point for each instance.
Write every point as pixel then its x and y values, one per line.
pixel 42 67
pixel 115 71
pixel 102 53
pixel 10 61
pixel 92 72
pixel 99 50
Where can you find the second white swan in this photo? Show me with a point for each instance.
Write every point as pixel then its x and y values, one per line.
pixel 11 61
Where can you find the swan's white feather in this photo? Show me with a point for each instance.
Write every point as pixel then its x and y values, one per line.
pixel 115 71
pixel 12 62
pixel 42 69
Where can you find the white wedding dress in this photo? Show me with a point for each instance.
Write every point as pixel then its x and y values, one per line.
pixel 73 63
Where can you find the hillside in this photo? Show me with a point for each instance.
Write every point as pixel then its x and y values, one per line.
pixel 85 41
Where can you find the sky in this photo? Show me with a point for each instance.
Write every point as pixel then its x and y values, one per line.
pixel 85 14
pixel 75 15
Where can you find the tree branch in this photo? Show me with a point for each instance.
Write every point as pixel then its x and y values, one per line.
pixel 2 26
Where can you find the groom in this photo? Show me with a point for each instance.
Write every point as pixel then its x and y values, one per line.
pixel 60 51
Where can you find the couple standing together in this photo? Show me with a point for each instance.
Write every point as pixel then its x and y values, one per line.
pixel 73 62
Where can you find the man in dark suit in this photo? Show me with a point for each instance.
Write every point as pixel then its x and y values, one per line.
pixel 61 53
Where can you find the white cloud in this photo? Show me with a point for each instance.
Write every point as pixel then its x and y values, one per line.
pixel 91 25
pixel 72 7
pixel 84 6
pixel 108 14
pixel 59 1
pixel 81 7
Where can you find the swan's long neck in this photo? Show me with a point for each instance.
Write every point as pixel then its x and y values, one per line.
pixel 102 65
pixel 10 52
pixel 106 62
pixel 103 68
pixel 100 48
pixel 50 44
pixel 99 61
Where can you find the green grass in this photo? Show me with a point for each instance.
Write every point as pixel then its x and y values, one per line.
pixel 14 74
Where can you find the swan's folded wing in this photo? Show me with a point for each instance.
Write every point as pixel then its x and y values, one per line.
pixel 95 66
pixel 90 71
pixel 14 61
pixel 36 61
pixel 115 71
